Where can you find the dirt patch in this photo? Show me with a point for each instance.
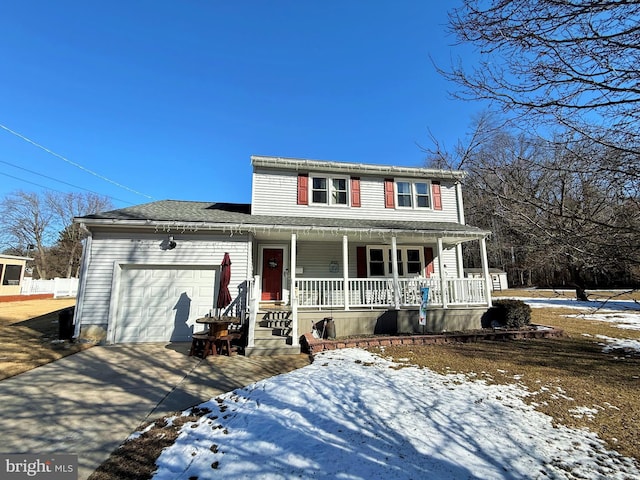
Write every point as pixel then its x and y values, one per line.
pixel 135 458
pixel 29 331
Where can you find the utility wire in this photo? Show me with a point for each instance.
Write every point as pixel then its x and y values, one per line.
pixel 56 180
pixel 28 140
pixel 32 183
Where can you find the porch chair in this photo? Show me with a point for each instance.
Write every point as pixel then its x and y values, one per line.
pixel 227 342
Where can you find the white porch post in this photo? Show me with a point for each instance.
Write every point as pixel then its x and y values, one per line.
pixel 394 270
pixel 462 222
pixel 254 302
pixel 293 293
pixel 443 278
pixel 460 260
pixel 485 270
pixel 345 270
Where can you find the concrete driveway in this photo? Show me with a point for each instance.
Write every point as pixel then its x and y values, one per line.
pixel 88 403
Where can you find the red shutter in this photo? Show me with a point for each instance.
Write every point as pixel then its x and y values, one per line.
pixel 389 200
pixel 435 192
pixel 355 192
pixel 428 260
pixel 303 189
pixel 361 262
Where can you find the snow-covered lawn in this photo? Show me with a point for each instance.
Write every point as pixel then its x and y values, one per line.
pixel 354 415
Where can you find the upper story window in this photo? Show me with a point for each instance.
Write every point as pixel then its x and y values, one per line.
pixel 329 190
pixel 412 194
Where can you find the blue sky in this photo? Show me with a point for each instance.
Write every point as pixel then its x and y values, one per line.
pixel 171 98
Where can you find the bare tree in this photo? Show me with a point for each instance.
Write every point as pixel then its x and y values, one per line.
pixel 26 220
pixel 561 63
pixel 554 220
pixel 45 221
pixel 65 207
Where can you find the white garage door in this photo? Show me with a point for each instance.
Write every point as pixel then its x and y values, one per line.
pixel 160 304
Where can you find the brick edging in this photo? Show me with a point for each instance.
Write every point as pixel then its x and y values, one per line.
pixel 316 345
pixel 20 298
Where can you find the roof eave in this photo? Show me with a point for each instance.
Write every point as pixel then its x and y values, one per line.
pixel 297 164
pixel 169 225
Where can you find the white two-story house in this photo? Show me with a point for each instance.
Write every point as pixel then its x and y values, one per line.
pixel 354 242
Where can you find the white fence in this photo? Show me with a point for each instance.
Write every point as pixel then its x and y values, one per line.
pixel 60 287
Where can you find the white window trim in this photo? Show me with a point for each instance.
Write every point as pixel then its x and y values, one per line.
pixel 386 253
pixel 330 190
pixel 414 194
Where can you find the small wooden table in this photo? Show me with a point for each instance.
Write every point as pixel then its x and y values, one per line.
pixel 218 326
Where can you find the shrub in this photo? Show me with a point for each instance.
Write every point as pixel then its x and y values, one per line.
pixel 511 313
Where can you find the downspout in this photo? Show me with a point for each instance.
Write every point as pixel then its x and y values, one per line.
pixel 345 270
pixel 84 268
pixel 293 292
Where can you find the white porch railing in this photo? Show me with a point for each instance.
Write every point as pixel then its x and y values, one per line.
pixel 372 293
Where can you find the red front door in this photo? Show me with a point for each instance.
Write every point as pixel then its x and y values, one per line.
pixel 272 274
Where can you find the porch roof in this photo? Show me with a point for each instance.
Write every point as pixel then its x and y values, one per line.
pixel 236 217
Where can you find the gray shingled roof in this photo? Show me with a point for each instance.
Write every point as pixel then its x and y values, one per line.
pixel 240 214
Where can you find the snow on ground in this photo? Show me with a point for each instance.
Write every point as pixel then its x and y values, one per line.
pixel 353 415
pixel 616 344
pixel 624 314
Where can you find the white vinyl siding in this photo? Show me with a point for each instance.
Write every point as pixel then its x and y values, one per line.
pixel 275 193
pixel 110 252
pixel 316 257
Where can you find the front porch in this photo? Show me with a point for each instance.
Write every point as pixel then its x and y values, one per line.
pixel 363 288
pixel 363 307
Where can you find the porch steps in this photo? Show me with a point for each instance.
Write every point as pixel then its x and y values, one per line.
pixel 273 334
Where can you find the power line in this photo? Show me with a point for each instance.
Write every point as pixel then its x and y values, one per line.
pixel 56 180
pixel 77 165
pixel 32 183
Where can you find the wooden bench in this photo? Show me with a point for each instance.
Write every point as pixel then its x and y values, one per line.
pixel 202 344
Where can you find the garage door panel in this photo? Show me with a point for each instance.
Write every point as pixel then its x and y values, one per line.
pixel 160 304
pixel 161 273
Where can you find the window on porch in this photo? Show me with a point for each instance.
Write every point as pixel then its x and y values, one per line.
pixel 410 261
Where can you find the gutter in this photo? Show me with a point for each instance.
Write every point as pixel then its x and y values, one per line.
pixel 285 163
pixel 240 228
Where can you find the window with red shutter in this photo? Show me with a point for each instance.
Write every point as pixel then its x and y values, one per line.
pixel 435 192
pixel 428 261
pixel 303 189
pixel 355 192
pixel 389 200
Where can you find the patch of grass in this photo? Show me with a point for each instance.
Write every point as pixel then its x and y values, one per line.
pixel 560 374
pixel 31 343
pixel 575 325
pixel 568 293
